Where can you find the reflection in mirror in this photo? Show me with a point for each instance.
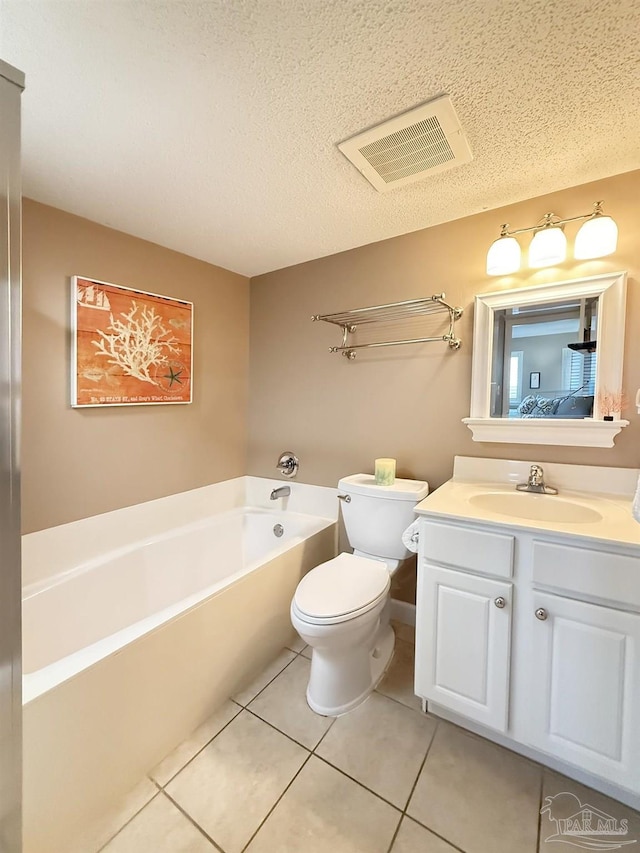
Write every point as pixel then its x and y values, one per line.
pixel 544 360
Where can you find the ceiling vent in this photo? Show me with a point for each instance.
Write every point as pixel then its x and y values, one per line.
pixel 409 147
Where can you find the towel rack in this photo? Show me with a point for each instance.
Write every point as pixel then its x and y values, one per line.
pixel 392 312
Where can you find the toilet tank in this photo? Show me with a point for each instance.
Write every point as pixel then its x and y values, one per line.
pixel 376 516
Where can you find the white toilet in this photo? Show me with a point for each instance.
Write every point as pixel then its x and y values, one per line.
pixel 341 608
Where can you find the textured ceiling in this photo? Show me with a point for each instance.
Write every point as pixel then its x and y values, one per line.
pixel 211 127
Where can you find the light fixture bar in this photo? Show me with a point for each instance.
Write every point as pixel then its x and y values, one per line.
pixel 596 238
pixel 552 219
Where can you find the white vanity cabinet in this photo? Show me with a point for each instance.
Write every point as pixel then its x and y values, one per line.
pixel 464 631
pixel 536 637
pixel 585 683
pixel 585 657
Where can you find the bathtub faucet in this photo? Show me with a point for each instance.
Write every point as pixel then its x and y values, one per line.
pixel 282 492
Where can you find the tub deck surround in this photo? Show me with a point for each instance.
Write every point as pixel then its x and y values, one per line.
pixel 133 646
pixel 73 621
pixel 48 553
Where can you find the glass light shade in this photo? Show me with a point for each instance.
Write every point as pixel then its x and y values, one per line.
pixel 503 256
pixel 596 238
pixel 548 247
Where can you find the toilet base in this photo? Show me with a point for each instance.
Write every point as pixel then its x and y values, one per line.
pixel 379 659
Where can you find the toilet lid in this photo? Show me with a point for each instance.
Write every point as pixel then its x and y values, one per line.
pixel 340 586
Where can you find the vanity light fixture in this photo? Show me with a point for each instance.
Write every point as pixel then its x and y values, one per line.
pixel 597 237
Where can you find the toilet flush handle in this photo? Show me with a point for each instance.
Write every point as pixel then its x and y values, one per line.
pixel 345 498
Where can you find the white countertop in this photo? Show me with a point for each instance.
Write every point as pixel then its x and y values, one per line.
pixel 454 500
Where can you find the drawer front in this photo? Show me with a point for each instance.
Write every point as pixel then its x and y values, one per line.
pixel 582 571
pixel 466 548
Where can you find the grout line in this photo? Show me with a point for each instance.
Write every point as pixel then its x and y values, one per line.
pixel 415 784
pixel 539 837
pixel 361 784
pixel 118 831
pixel 437 834
pixel 404 704
pixel 273 807
pixel 196 754
pixel 329 727
pixel 406 815
pixel 395 834
pixel 304 763
pixel 275 728
pixel 192 821
pixel 424 761
pixel 287 664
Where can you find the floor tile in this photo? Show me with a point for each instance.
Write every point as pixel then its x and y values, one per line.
pixel 244 696
pixel 160 828
pixel 562 798
pixel 398 681
pixel 381 744
pixel 307 652
pixel 176 760
pixel 324 812
pixel 229 788
pixel 478 796
pixel 413 838
pixel 97 835
pixel 283 704
pixel 297 645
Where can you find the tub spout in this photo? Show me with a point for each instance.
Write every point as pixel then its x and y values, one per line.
pixel 282 492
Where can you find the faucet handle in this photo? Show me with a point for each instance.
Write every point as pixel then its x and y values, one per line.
pixel 536 475
pixel 288 464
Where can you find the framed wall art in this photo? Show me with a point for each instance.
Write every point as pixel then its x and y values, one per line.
pixel 129 347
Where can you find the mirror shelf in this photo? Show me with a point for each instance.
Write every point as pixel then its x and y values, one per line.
pixel 609 292
pixel 582 433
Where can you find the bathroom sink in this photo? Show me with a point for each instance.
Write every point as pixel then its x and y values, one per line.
pixel 535 507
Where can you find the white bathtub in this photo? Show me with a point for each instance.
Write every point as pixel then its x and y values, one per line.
pixel 129 651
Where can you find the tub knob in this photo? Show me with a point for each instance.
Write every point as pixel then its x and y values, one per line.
pixel 288 464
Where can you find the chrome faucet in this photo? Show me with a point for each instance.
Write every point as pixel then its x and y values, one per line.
pixel 536 483
pixel 281 492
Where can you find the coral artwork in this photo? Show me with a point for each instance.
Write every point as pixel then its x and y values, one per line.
pixel 130 347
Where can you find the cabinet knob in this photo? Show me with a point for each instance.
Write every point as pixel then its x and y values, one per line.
pixel 500 602
pixel 541 614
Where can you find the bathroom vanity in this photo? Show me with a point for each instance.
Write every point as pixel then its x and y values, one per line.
pixel 528 616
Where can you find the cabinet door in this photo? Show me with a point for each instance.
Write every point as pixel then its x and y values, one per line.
pixel 585 686
pixel 462 644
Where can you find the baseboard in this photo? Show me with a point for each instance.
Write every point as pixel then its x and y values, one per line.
pixel 404 612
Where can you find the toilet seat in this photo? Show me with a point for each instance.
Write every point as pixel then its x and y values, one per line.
pixel 341 589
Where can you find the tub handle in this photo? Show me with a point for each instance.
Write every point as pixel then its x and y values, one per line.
pixel 345 498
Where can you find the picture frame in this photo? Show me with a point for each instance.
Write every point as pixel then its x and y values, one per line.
pixel 129 347
pixel 534 380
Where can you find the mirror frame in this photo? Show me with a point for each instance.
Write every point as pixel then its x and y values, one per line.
pixel 611 290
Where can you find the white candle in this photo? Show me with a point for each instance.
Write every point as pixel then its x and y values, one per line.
pixel 385 472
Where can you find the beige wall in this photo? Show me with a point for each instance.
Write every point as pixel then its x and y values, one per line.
pixel 408 402
pixel 79 462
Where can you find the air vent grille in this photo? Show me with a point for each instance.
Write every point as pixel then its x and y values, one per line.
pixel 409 147
pixel 411 150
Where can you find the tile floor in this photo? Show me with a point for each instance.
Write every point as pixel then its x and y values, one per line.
pixel 267 775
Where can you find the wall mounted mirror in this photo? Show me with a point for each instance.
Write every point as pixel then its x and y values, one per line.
pixel 547 363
